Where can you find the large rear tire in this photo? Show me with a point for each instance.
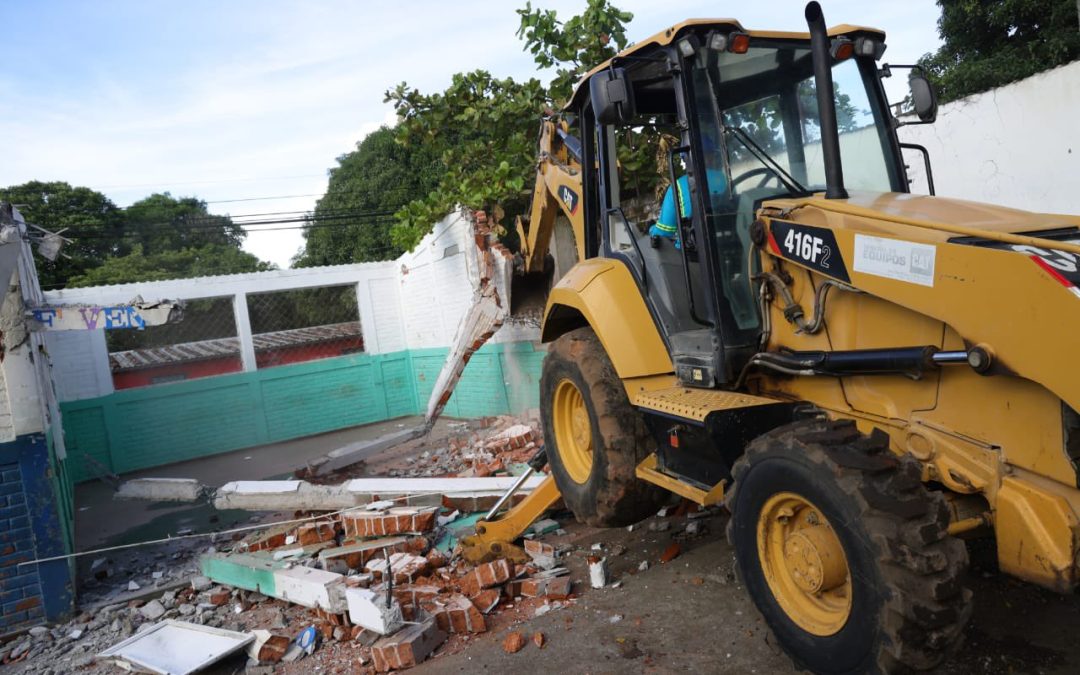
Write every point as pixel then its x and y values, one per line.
pixel 845 552
pixel 595 438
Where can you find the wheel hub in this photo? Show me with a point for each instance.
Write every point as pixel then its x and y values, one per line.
pixel 815 559
pixel 573 430
pixel 804 563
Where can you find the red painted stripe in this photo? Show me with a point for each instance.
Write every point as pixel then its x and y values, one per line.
pixel 1051 271
pixel 774 245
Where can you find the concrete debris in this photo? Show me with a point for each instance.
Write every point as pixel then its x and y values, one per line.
pixel 161 489
pixel 598 572
pixel 333 574
pixel 486 314
pixel 370 610
pixel 348 455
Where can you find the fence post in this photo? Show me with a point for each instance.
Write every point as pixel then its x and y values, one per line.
pixel 243 332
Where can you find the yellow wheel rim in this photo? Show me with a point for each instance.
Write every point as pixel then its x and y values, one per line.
pixel 804 564
pixel 573 431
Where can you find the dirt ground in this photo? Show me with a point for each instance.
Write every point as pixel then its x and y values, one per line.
pixel 690 614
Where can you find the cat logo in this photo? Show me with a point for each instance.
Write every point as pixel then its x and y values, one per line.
pixel 570 198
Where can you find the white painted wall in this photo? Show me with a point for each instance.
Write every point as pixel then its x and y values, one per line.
pixel 28 401
pixel 414 302
pixel 1018 145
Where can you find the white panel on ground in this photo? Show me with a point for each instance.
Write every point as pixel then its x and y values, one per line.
pixel 177 647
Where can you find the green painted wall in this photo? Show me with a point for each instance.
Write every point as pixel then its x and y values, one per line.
pixel 142 428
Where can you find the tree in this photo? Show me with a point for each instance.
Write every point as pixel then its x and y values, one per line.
pixel 159 237
pixel 484 128
pixel 161 223
pixel 377 178
pixel 989 43
pixel 206 260
pixel 78 210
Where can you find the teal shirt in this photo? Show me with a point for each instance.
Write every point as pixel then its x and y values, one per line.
pixel 679 198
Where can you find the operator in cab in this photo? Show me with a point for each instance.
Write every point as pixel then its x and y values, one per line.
pixel 677 201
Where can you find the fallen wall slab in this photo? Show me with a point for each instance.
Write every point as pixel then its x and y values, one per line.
pixel 161 489
pixel 303 496
pixel 352 453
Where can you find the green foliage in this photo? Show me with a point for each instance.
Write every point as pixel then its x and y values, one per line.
pixel 573 47
pixel 379 177
pixel 483 129
pixel 162 223
pixel 206 260
pixel 989 43
pixel 58 206
pixel 159 237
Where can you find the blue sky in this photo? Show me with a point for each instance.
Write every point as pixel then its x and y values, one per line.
pixel 240 99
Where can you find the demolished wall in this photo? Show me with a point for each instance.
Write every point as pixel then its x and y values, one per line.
pixel 409 311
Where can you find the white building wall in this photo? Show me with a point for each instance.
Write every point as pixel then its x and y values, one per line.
pixel 1018 145
pixel 414 302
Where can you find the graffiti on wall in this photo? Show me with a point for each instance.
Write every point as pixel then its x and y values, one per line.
pixel 136 315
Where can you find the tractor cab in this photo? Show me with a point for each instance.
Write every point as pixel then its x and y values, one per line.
pixel 716 120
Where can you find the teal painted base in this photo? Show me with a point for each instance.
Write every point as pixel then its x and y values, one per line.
pixel 142 428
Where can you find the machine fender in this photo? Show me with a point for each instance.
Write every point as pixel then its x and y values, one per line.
pixel 602 293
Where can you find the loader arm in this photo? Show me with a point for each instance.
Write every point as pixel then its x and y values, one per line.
pixel 557 189
pixel 495 538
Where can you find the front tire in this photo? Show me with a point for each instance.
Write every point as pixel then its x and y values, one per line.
pixel 595 438
pixel 845 552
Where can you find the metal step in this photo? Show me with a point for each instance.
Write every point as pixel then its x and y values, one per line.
pixel 695 404
pixel 649 470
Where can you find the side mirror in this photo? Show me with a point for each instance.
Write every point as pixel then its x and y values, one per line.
pixel 612 97
pixel 923 97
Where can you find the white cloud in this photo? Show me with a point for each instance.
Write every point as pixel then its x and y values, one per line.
pixel 262 104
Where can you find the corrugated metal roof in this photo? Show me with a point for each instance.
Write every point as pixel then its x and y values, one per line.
pixel 202 350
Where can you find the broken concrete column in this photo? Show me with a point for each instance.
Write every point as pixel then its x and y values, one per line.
pixel 369 609
pixel 161 489
pixel 348 455
pixel 311 587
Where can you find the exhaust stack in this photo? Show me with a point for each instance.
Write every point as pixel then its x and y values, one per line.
pixel 830 136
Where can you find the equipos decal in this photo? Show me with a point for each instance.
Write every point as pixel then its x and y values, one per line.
pixel 568 197
pixel 813 247
pixel 895 259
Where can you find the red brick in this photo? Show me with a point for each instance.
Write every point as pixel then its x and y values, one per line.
pixel 541 586
pixel 220 598
pixel 456 614
pixel 398 520
pixel 534 547
pixel 514 643
pixel 486 600
pixel 407 647
pixel 487 575
pixel 314 533
pixel 274 649
pixel 413 595
pixel 28 603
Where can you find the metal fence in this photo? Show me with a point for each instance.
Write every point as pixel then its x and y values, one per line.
pixel 289 326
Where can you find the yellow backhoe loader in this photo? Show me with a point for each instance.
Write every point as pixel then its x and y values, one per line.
pixel 863 376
